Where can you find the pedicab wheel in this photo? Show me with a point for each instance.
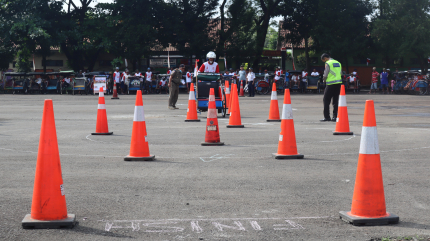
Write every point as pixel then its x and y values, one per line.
pixel 107 133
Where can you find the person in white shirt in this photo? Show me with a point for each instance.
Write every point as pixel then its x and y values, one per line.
pixel 124 81
pixel 66 82
pixel 138 74
pixel 148 80
pixel 278 73
pixel 266 76
pixel 351 81
pixel 250 81
pixel 294 80
pixel 315 73
pixel 188 78
pixel 304 80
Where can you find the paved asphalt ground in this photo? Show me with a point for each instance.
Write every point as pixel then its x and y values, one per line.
pixel 232 192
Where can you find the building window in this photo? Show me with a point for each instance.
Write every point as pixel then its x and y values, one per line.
pixel 363 61
pixel 106 63
pixel 50 62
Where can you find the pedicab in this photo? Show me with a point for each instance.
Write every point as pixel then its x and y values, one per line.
pixel 401 82
pixel 313 84
pixel 16 82
pixel 262 85
pixel 95 80
pixel 162 80
pixel 206 81
pixel 7 82
pixel 134 83
pixel 355 87
pixel 294 85
pixel 71 87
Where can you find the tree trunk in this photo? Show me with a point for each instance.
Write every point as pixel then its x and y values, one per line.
pixel 307 56
pixel 346 64
pixel 44 63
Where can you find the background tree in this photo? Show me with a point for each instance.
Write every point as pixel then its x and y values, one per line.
pixel 342 29
pixel 403 29
pixel 271 39
pixel 192 26
pixel 300 17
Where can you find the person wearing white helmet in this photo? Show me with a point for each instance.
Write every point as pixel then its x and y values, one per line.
pixel 210 66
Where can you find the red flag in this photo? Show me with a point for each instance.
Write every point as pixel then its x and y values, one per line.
pixel 196 68
pixel 34 65
pixel 428 60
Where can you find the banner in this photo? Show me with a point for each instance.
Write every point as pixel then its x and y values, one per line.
pixel 99 81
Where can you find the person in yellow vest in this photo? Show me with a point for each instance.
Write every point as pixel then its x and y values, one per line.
pixel 333 80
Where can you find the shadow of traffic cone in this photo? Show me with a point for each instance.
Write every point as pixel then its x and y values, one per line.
pixel 274 108
pixel 212 137
pixel 48 208
pixel 235 119
pixel 342 122
pixel 115 92
pixel 287 146
pixel 227 96
pixel 192 107
pixel 242 93
pixel 368 200
pixel 139 147
pixel 102 123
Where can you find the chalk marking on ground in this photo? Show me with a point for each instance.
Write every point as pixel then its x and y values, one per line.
pixel 236 224
pixel 215 157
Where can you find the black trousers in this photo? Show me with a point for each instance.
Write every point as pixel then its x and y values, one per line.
pixel 251 88
pixel 331 92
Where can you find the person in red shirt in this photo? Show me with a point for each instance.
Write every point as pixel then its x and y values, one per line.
pixel 170 70
pixel 210 66
pixel 374 85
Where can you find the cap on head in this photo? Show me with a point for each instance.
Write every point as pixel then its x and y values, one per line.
pixel 250 68
pixel 181 66
pixel 374 68
pixel 115 68
pixel 325 55
pixel 137 70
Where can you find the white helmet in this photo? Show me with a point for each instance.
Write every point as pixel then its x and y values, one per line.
pixel 211 55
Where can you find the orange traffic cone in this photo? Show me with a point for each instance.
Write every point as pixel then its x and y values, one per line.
pixel 287 146
pixel 139 148
pixel 48 208
pixel 342 122
pixel 241 94
pixel 368 201
pixel 227 96
pixel 102 123
pixel 274 108
pixel 212 131
pixel 235 120
pixel 115 93
pixel 192 108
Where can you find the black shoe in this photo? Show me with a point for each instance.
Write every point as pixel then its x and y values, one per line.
pixel 334 119
pixel 326 119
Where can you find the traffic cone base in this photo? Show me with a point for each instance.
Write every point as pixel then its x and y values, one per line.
pixel 279 156
pixel 274 120
pixel 132 158
pixel 212 143
pixel 108 133
pixel 30 223
pixel 343 133
pixel 198 120
pixel 361 221
pixel 235 126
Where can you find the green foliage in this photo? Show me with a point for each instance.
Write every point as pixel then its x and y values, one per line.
pixel 342 29
pixel 271 39
pixel 301 58
pixel 117 62
pixel 23 63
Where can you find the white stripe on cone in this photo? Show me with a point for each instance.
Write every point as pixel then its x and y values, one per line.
pixel 101 94
pixel 342 100
pixel 274 96
pixel 139 115
pixel 227 90
pixel 212 113
pixel 211 97
pixel 101 107
pixel 191 96
pixel 369 140
pixel 287 112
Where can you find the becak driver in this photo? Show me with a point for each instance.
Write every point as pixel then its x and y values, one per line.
pixel 210 66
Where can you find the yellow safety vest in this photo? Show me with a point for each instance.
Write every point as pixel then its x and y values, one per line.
pixel 335 74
